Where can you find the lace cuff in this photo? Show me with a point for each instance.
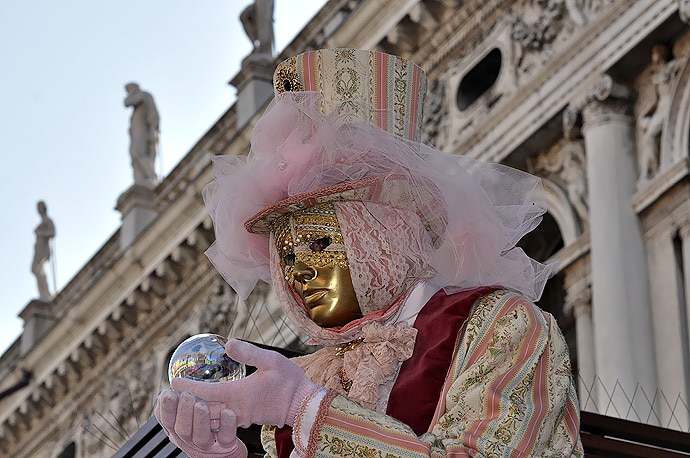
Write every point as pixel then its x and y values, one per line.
pixel 309 420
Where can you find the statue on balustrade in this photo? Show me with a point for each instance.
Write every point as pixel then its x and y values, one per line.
pixel 45 231
pixel 257 20
pixel 144 130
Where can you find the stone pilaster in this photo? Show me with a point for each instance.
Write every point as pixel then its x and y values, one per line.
pixel 621 313
pixel 580 303
pixel 137 208
pixel 684 329
pixel 38 318
pixel 254 84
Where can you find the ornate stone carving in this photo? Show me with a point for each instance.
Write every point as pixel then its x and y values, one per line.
pixel 566 165
pixel 550 18
pixel 579 301
pixel 605 98
pixel 98 431
pixel 652 109
pixel 684 10
pixel 124 405
pixel 435 111
pixel 216 310
pixel 539 24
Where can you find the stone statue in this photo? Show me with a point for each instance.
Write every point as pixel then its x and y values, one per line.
pixel 257 20
pixel 654 103
pixel 44 232
pixel 143 132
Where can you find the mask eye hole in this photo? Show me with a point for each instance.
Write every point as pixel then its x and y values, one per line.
pixel 289 259
pixel 321 244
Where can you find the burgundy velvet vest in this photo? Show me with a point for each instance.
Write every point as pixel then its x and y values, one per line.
pixel 418 387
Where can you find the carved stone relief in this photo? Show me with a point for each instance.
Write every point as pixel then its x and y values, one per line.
pixel 541 27
pixel 652 110
pixel 435 113
pixel 258 319
pixel 121 409
pixel 565 164
pixel 605 98
pixel 217 310
pixel 131 396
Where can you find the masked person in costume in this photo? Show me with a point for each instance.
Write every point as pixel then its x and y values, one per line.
pixel 401 262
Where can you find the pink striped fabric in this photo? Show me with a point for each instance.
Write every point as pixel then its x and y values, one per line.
pixel 388 90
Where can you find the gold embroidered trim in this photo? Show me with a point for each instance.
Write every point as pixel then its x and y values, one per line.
pixel 342 349
pixel 294 233
pixel 287 80
pixel 345 381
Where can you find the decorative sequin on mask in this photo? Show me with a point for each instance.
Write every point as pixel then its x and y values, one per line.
pixel 311 236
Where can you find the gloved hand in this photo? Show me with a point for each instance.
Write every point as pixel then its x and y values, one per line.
pixel 270 396
pixel 187 422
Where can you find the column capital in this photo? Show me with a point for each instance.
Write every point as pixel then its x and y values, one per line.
pixel 579 301
pixel 684 229
pixel 604 99
pixel 684 10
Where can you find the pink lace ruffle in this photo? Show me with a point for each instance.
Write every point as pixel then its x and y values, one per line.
pixel 372 365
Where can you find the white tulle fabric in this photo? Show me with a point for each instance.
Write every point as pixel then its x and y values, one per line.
pixel 478 210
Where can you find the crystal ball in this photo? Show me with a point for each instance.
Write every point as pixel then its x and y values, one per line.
pixel 202 357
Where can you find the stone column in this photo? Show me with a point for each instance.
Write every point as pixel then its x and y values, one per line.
pixel 684 314
pixel 580 304
pixel 621 314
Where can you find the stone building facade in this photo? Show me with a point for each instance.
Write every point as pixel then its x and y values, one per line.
pixel 591 95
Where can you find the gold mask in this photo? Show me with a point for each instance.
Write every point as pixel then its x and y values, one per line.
pixel 315 265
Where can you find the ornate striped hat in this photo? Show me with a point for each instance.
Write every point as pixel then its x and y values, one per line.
pixel 349 130
pixel 391 89
pixel 376 88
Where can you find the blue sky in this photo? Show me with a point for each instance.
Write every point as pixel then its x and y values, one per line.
pixel 63 125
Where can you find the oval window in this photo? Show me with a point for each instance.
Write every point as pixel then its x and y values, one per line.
pixel 478 80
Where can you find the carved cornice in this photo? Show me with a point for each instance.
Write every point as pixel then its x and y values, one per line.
pixel 660 185
pixel 460 33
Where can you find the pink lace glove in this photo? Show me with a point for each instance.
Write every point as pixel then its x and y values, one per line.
pixel 187 422
pixel 270 396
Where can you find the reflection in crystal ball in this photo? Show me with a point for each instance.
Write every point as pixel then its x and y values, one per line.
pixel 202 357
